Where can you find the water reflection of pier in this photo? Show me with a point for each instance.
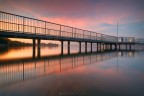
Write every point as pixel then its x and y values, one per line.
pixel 12 71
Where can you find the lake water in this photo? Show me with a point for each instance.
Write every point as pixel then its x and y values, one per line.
pixel 106 73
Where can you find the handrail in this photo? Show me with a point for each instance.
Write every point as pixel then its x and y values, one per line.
pixel 25 24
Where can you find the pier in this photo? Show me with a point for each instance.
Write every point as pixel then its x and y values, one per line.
pixel 16 26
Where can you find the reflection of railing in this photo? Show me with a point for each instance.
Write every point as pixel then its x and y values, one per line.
pixel 24 70
pixel 20 24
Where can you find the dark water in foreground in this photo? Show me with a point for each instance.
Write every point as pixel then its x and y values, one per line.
pixel 107 73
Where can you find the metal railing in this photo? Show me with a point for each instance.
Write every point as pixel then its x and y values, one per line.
pixel 126 39
pixel 140 40
pixel 21 24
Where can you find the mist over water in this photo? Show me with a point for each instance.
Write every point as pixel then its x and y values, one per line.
pixel 105 73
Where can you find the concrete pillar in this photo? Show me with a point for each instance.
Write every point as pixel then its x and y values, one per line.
pixel 130 46
pixel 107 47
pixel 62 47
pixel 34 45
pixel 97 46
pixel 119 47
pixel 115 46
pixel 68 47
pixel 39 41
pixel 126 46
pixel 79 47
pixel 103 46
pixel 110 46
pixel 85 46
pixel 91 46
pixel 100 46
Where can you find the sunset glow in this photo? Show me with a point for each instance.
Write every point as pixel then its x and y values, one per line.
pixel 94 15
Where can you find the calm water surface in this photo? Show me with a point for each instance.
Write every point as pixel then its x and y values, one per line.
pixel 106 73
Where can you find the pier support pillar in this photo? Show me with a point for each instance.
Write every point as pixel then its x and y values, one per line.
pixel 91 46
pixel 130 46
pixel 110 46
pixel 115 46
pixel 68 47
pixel 39 41
pixel 119 47
pixel 79 47
pixel 100 46
pixel 103 46
pixel 34 45
pixel 107 46
pixel 126 46
pixel 85 46
pixel 62 47
pixel 97 47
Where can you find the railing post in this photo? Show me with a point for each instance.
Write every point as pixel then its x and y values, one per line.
pixel 83 34
pixel 100 37
pixel 134 40
pixel 23 24
pixel 45 28
pixel 96 36
pixel 18 28
pixel 90 34
pixel 72 32
pixel 35 29
pixel 60 31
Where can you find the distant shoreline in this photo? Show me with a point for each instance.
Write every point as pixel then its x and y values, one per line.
pixel 8 43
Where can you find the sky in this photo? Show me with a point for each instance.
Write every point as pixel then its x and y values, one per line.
pixel 94 15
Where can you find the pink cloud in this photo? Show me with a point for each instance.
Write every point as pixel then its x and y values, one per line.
pixel 65 21
pixel 86 14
